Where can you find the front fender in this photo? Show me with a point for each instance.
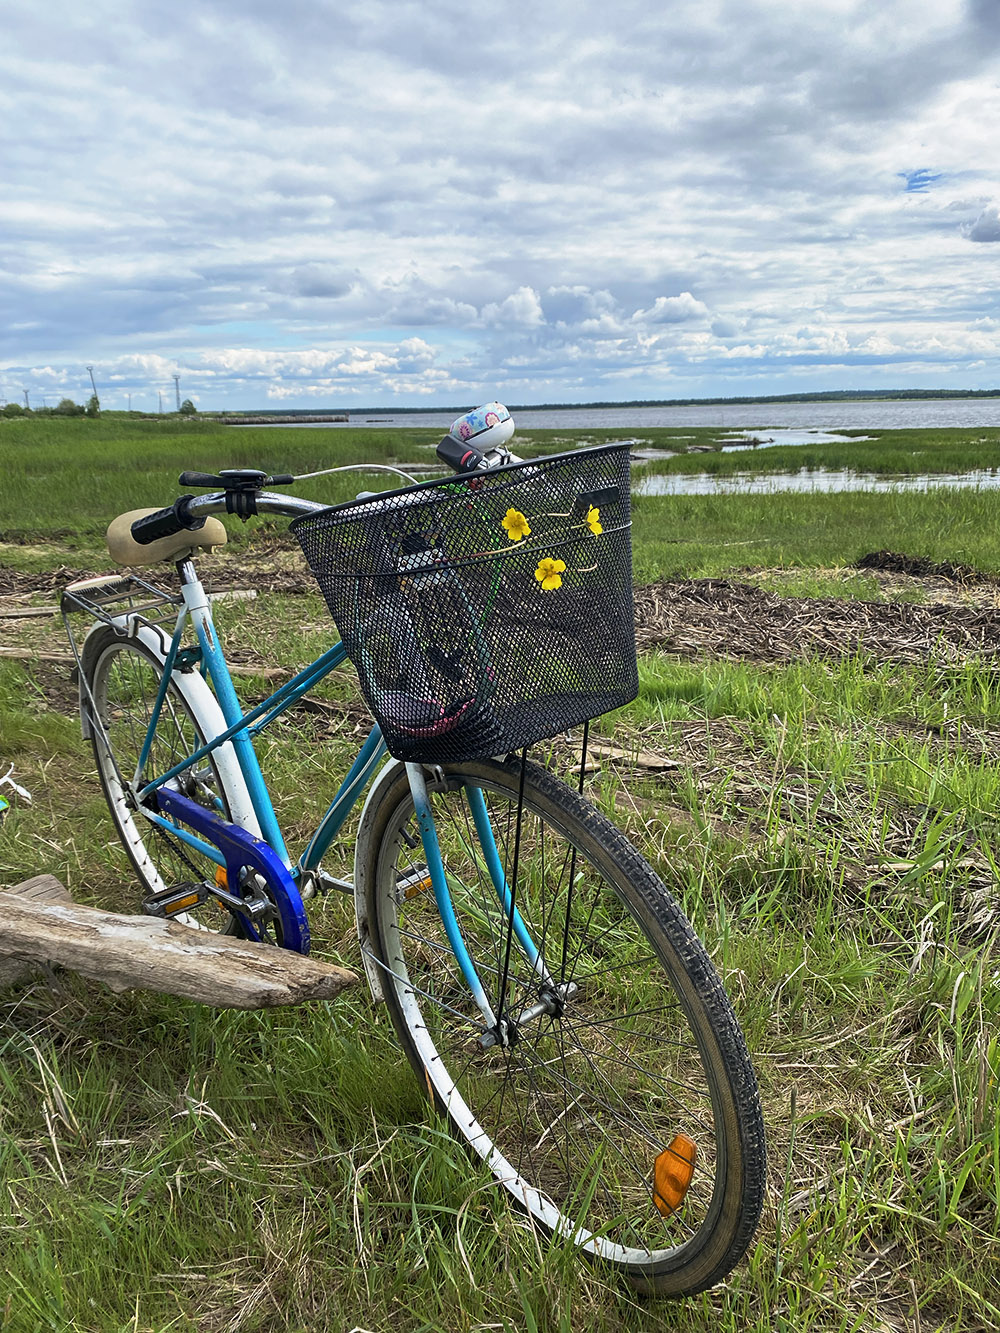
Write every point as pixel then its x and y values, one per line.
pixel 389 774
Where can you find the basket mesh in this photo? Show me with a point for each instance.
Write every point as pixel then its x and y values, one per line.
pixel 470 636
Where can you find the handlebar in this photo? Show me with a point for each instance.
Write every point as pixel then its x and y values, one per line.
pixel 190 511
pixel 236 479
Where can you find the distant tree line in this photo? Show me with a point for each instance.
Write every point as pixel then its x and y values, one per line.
pixel 68 408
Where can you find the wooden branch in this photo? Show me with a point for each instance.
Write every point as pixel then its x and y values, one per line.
pixel 37 612
pixel 40 924
pixel 43 888
pixel 598 750
pixel 29 654
pixel 233 595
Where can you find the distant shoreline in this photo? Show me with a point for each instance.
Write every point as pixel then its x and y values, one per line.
pixel 830 396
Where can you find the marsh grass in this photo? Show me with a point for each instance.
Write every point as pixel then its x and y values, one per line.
pixel 900 452
pixel 831 828
pixel 66 478
pixel 713 535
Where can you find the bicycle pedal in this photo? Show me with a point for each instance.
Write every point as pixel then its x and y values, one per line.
pixel 178 898
pixel 416 882
pixel 313 883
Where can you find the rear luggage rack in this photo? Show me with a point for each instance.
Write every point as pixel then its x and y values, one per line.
pixel 112 597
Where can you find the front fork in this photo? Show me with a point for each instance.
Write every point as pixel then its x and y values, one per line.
pixel 500 1029
pixel 446 910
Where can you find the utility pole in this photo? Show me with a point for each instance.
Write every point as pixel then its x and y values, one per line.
pixel 26 403
pixel 177 391
pixel 160 396
pixel 129 396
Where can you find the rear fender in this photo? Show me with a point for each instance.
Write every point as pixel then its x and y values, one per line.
pixel 196 694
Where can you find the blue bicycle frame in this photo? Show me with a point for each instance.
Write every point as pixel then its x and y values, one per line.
pixel 206 832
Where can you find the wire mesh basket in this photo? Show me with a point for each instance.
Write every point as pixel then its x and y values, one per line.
pixel 486 612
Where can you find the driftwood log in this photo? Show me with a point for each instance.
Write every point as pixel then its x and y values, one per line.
pixel 40 924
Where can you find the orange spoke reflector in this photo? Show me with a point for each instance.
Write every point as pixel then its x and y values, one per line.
pixel 221 878
pixel 672 1173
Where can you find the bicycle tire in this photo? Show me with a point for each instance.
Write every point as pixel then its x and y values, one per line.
pixel 573 1115
pixel 122 675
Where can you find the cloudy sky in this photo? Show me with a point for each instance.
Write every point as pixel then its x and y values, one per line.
pixel 344 203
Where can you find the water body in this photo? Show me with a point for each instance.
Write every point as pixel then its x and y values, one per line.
pixel 807 481
pixel 901 414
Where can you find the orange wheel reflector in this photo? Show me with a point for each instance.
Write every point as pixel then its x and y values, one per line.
pixel 221 878
pixel 181 905
pixel 672 1173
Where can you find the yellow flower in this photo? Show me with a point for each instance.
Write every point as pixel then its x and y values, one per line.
pixel 548 573
pixel 515 525
pixel 594 520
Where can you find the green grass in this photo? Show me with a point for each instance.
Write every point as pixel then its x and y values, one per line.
pixel 69 478
pixel 65 480
pixel 708 535
pixel 829 825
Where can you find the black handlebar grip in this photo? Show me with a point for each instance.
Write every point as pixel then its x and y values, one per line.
pixel 165 522
pixel 200 479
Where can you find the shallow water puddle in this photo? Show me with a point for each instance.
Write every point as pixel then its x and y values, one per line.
pixel 809 481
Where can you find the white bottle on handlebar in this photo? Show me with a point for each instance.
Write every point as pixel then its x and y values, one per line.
pixel 477 440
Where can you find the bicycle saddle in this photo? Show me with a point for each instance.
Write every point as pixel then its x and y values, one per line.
pixel 125 550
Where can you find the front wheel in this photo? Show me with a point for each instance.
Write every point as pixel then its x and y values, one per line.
pixel 613 1098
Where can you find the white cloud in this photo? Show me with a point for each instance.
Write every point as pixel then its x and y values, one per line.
pixel 281 202
pixel 521 309
pixel 986 226
pixel 672 310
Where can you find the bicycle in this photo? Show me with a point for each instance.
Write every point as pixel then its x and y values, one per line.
pixel 546 988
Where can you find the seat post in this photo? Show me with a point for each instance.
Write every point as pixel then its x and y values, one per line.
pixel 186 571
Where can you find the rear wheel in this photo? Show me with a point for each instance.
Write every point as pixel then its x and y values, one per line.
pixel 614 1098
pixel 123 676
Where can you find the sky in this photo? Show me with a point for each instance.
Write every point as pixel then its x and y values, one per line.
pixel 330 204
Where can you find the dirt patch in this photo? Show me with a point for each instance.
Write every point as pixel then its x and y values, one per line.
pixel 918 566
pixel 739 622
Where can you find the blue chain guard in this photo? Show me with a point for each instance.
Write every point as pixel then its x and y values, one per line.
pixel 245 852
